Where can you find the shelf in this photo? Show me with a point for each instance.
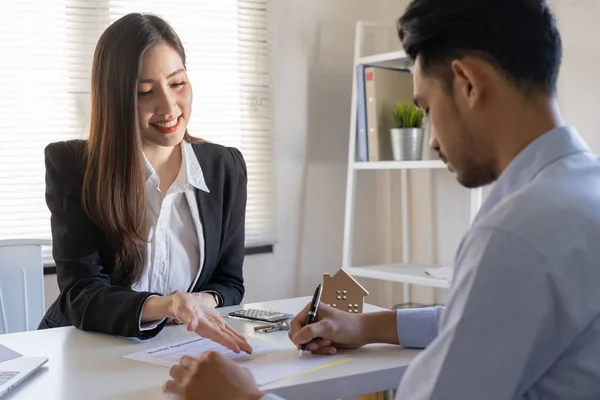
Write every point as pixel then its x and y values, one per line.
pixel 422 164
pixel 403 273
pixel 395 59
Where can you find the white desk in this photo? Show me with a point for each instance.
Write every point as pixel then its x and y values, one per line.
pixel 86 365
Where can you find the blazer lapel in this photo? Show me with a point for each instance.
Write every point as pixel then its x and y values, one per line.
pixel 203 215
pixel 209 228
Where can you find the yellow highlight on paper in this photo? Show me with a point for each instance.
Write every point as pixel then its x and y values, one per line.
pixel 308 371
pixel 330 364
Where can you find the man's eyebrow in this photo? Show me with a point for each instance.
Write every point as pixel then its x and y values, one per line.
pixel 172 74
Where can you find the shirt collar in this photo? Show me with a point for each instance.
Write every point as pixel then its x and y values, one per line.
pixel 194 170
pixel 539 154
pixel 148 170
pixel 190 172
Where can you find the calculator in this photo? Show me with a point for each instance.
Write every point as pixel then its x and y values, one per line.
pixel 260 315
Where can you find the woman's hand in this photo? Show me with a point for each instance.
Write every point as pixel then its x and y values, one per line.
pixel 196 311
pixel 207 299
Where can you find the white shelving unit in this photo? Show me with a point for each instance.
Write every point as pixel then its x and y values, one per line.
pixel 383 165
pixel 402 273
pixel 406 272
pixel 396 59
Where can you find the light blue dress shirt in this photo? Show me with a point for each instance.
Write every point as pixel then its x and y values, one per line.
pixel 523 315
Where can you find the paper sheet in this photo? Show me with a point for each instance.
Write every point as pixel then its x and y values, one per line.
pixel 169 355
pixel 286 363
pixel 268 362
pixel 8 354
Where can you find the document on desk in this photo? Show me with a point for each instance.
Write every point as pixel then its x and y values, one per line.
pixel 286 363
pixel 268 362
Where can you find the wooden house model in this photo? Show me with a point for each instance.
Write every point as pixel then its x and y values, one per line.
pixel 343 292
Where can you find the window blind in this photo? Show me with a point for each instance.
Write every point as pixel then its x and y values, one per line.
pixel 47 48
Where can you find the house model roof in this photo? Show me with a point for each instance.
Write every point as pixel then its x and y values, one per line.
pixel 343 275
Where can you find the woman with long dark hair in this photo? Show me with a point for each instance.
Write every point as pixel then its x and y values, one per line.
pixel 147 221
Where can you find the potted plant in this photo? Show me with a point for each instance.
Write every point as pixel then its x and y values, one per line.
pixel 407 136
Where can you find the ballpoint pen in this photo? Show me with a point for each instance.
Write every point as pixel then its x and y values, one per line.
pixel 312 313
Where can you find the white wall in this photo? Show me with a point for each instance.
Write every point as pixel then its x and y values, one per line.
pixel 313 56
pixel 579 81
pixel 50 289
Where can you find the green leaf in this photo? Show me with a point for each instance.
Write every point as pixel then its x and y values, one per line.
pixel 408 116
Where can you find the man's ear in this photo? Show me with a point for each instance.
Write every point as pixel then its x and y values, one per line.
pixel 468 83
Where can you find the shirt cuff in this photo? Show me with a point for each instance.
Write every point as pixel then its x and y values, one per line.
pixel 150 325
pixel 417 327
pixel 270 396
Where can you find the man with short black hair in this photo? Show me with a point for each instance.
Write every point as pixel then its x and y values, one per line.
pixel 523 315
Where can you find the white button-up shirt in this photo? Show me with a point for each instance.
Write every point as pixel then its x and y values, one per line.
pixel 175 250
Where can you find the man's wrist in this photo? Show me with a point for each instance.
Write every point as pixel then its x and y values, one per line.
pixel 379 327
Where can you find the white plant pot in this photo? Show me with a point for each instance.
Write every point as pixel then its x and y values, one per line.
pixel 407 143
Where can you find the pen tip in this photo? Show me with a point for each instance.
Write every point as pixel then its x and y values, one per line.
pixel 300 353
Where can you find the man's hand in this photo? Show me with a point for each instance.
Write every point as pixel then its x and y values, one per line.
pixel 333 330
pixel 197 313
pixel 212 377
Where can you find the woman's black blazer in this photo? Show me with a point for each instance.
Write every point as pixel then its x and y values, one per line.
pixel 91 295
